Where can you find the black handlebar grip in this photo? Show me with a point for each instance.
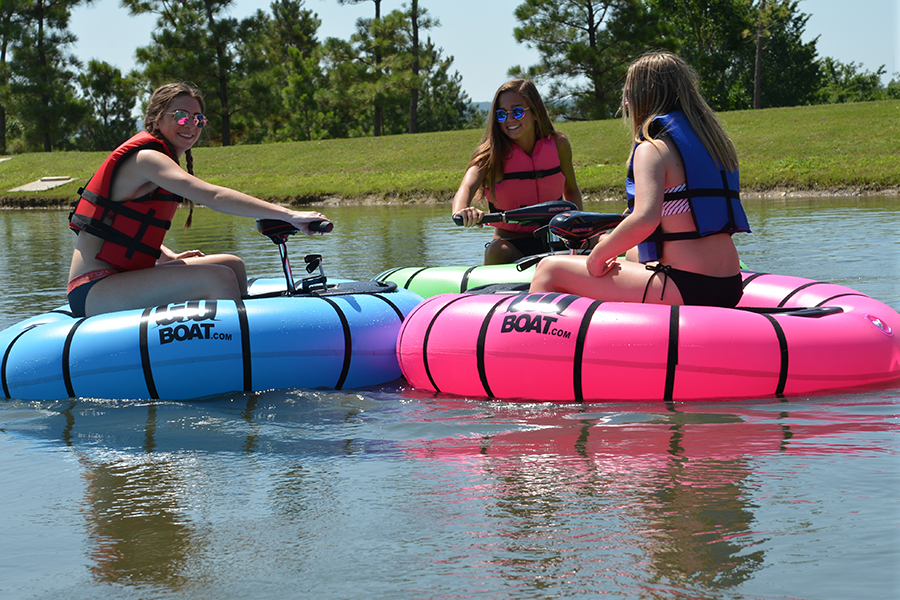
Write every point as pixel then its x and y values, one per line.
pixel 321 226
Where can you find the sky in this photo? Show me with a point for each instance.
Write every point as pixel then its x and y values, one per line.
pixel 479 33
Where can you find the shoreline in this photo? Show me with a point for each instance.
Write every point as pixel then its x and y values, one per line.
pixel 51 203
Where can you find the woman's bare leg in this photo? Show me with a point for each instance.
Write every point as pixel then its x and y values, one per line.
pixel 625 282
pixel 501 252
pixel 227 260
pixel 163 285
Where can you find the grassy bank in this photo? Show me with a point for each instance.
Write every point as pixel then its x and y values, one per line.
pixel 843 147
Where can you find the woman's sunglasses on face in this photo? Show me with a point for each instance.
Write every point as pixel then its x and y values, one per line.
pixel 516 113
pixel 182 117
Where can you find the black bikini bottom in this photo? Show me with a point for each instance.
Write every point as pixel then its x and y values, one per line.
pixel 700 290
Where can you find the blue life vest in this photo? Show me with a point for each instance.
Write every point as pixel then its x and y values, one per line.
pixel 713 193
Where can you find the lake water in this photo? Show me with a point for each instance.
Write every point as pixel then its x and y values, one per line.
pixel 391 493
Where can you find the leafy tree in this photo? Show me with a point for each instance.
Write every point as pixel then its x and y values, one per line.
pixel 294 30
pixel 745 54
pixel 195 42
pixel 387 82
pixel 375 52
pixel 223 33
pixel 11 12
pixel 176 51
pixel 42 77
pixel 713 37
pixel 282 56
pixel 444 106
pixel 415 17
pixel 764 21
pixel 585 47
pixel 408 70
pixel 850 83
pixel 111 98
pixel 342 98
pixel 789 74
pixel 892 90
pixel 299 96
pixel 381 45
pixel 418 20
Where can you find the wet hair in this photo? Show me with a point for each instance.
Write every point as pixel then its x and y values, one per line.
pixel 158 107
pixel 495 144
pixel 658 83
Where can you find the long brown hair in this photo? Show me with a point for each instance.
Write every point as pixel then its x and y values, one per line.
pixel 495 144
pixel 660 82
pixel 158 107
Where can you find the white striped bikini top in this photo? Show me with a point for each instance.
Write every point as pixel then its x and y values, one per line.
pixel 676 207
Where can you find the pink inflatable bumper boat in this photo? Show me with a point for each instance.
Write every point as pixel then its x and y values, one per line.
pixel 788 337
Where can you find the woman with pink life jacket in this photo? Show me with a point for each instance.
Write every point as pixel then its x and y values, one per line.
pixel 126 208
pixel 520 161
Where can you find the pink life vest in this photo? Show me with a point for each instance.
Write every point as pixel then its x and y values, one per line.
pixel 527 180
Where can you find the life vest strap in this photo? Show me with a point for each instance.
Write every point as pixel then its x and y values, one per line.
pixel 703 193
pixel 108 234
pixel 658 236
pixel 121 209
pixel 539 174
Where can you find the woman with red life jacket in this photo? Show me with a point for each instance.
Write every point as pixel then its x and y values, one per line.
pixel 126 208
pixel 520 161
pixel 684 202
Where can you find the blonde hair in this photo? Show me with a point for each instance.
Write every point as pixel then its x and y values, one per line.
pixel 660 82
pixel 495 144
pixel 158 107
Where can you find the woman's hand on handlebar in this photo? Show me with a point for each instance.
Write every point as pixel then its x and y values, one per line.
pixel 302 219
pixel 471 216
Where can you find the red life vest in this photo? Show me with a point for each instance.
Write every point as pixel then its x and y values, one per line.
pixel 528 180
pixel 132 231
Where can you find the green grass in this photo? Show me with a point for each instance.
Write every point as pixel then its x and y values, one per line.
pixel 827 147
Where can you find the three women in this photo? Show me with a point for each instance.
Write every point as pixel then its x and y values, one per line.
pixel 682 187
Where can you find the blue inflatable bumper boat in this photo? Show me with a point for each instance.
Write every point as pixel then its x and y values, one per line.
pixel 314 334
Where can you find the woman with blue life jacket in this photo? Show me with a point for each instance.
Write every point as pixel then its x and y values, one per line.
pixel 520 161
pixel 683 198
pixel 126 208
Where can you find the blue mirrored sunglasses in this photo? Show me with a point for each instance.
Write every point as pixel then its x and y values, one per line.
pixel 516 113
pixel 182 116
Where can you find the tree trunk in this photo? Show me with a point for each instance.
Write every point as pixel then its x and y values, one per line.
pixel 42 81
pixel 3 83
pixel 757 75
pixel 414 96
pixel 222 77
pixel 378 120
